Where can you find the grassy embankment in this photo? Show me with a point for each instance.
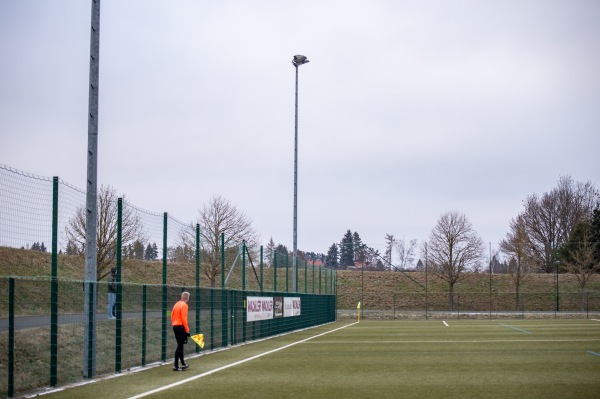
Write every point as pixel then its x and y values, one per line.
pixel 378 290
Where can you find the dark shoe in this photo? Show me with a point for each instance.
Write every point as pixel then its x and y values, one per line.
pixel 177 369
pixel 184 366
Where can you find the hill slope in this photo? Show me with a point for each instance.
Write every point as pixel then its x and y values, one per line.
pixel 377 290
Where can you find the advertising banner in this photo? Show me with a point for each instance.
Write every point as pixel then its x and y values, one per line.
pixel 278 307
pixel 291 307
pixel 259 308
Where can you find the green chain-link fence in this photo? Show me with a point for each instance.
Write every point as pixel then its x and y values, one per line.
pixel 42 320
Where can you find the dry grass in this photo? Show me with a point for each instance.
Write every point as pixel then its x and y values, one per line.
pixel 386 290
pixel 380 290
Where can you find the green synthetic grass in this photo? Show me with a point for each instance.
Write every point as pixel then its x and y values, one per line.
pixel 390 359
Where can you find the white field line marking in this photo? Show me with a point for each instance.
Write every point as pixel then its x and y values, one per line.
pixel 515 328
pixel 468 341
pixel 446 324
pixel 233 364
pixel 595 319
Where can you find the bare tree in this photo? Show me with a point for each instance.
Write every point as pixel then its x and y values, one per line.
pixel 218 217
pixel 453 248
pixel 132 230
pixel 517 247
pixel 549 219
pixel 406 253
pixel 578 256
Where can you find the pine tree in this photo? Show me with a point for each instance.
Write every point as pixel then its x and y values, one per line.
pixel 346 251
pixel 148 253
pixel 359 249
pixel 71 248
pixel 331 260
pixel 138 250
pixel 420 265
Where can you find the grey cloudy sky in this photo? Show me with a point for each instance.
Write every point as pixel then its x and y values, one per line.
pixel 408 109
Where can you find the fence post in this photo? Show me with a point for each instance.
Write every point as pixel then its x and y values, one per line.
pixel 54 288
pixel 197 282
pixel 243 265
pixel 212 318
pixel 224 307
pixel 287 272
pixel 275 271
pixel 118 332
pixel 163 351
pixel 320 268
pixel 144 327
pixel 261 268
pixel 232 330
pixel 313 277
pixel 334 281
pixel 11 337
pixel 305 277
pixel 295 278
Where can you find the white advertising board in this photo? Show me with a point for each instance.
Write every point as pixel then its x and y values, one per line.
pixel 259 308
pixel 291 306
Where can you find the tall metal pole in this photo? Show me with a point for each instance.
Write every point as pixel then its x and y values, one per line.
pixel 426 287
pixel 90 301
pixel 295 255
pixel 556 263
pixel 491 272
pixel 297 61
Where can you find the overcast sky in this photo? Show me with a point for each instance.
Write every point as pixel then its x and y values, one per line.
pixel 407 109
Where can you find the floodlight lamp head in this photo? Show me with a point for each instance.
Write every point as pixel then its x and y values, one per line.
pixel 299 60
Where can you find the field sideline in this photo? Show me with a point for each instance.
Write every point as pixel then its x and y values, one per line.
pixel 385 359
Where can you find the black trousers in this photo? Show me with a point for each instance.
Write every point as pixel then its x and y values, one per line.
pixel 181 337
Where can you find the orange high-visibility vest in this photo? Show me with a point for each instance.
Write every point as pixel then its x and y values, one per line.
pixel 179 315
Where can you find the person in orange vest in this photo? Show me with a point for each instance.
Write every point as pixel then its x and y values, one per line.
pixel 179 319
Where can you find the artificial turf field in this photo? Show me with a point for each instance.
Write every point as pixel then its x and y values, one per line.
pixel 386 359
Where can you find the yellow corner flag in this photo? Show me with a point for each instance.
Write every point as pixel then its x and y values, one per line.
pixel 358 306
pixel 199 339
pixel 358 311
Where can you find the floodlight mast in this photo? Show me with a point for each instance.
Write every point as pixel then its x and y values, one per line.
pixel 297 61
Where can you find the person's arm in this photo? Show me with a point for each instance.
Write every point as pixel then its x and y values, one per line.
pixel 184 318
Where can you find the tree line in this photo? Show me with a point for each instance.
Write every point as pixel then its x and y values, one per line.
pixel 558 230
